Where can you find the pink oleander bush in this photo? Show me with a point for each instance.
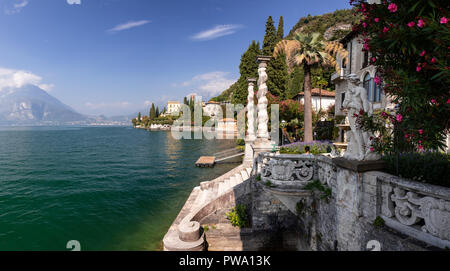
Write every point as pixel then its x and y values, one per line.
pixel 409 42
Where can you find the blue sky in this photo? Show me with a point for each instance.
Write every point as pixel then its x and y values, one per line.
pixel 115 57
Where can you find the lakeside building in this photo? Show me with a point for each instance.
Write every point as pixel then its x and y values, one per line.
pixel 212 109
pixel 321 99
pixel 227 125
pixel 173 107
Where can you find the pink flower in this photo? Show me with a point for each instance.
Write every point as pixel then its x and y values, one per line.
pixel 433 60
pixel 377 80
pixel 433 101
pixel 406 136
pixel 420 131
pixel 418 68
pixel 371 149
pixel 385 29
pixel 393 7
pixel 420 147
pixel 444 20
pixel 399 117
pixel 364 25
pixel 366 46
pixel 420 141
pixel 411 24
pixel 420 23
pixel 423 53
pixel 448 101
pixel 374 59
pixel 377 20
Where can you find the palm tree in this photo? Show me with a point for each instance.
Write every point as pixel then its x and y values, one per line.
pixel 309 51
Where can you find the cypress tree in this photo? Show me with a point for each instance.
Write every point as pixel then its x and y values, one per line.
pixel 139 117
pixel 248 68
pixel 152 112
pixel 270 38
pixel 280 31
pixel 185 101
pixel 278 77
pixel 157 111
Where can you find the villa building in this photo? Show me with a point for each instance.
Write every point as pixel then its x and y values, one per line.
pixel 212 109
pixel 173 107
pixel 321 99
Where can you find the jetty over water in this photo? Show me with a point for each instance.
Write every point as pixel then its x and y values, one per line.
pixel 209 161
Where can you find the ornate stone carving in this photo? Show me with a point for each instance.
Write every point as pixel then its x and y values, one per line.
pixel 359 142
pixel 263 117
pixel 251 110
pixel 410 209
pixel 276 168
pixel 326 172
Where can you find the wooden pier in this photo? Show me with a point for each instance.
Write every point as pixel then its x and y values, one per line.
pixel 206 161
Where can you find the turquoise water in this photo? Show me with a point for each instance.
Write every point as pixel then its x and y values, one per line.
pixel 110 188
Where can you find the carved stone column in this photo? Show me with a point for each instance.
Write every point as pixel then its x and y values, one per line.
pixel 263 117
pixel 251 114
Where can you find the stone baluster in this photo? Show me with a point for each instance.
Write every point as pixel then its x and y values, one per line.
pixel 263 117
pixel 251 110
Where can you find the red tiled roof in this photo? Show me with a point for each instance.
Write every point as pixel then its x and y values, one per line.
pixel 316 92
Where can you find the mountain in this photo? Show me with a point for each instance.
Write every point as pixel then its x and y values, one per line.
pixel 30 105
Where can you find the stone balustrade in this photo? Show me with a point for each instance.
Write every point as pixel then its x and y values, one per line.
pixel 417 209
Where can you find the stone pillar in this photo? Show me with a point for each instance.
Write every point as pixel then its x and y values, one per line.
pixel 263 117
pixel 251 110
pixel 262 142
pixel 251 116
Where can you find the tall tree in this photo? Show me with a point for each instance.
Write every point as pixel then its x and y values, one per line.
pixel 270 38
pixel 152 114
pixel 157 111
pixel 295 82
pixel 278 76
pixel 185 101
pixel 280 30
pixel 139 117
pixel 248 68
pixel 308 51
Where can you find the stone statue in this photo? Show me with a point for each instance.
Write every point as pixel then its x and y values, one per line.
pixel 359 142
pixel 263 117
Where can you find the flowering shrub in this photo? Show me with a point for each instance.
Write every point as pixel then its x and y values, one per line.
pixel 316 147
pixel 409 43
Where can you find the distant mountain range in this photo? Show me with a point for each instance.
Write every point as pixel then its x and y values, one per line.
pixel 30 105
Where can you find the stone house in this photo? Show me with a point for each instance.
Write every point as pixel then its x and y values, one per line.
pixel 321 99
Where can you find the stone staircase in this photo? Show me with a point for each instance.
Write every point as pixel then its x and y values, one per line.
pixel 215 188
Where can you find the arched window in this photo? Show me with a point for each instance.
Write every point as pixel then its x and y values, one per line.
pixel 378 89
pixel 367 84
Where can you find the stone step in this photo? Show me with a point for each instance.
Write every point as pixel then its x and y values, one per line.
pixel 249 171
pixel 244 175
pixel 221 188
pixel 230 183
pixel 239 179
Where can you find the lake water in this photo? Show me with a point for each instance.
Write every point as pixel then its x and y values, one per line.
pixel 110 188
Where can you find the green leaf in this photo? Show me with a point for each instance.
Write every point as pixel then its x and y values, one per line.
pixel 414 7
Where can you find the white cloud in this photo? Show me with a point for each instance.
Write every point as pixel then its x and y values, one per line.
pixel 74 2
pixel 210 84
pixel 128 25
pixel 216 32
pixel 10 78
pixel 16 7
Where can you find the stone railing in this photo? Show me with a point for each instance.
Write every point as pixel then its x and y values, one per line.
pixel 416 209
pixel 294 170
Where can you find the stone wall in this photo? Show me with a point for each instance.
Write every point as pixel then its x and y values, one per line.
pixel 362 206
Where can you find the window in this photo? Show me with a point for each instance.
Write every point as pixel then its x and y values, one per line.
pixel 367 84
pixel 378 90
pixel 342 101
pixel 366 59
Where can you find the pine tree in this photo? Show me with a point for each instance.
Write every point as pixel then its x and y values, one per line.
pixel 280 31
pixel 157 111
pixel 270 38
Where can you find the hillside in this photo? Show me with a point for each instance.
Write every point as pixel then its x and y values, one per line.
pixel 333 26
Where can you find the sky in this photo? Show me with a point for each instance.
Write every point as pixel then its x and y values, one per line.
pixel 116 57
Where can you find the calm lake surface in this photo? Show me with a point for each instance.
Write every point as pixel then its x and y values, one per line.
pixel 110 188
